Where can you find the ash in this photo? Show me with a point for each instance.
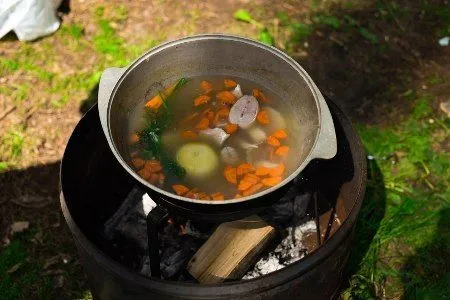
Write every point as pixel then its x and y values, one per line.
pixel 126 231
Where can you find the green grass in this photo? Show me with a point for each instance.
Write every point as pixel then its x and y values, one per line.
pixel 26 282
pixel 406 210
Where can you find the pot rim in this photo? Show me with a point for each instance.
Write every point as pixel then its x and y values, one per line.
pixel 290 61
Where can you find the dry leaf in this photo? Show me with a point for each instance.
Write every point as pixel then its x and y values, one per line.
pixel 31 201
pixel 19 226
pixel 14 268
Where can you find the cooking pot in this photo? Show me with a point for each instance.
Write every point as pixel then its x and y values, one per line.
pixel 123 89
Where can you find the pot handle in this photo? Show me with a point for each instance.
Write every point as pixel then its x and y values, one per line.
pixel 107 83
pixel 326 145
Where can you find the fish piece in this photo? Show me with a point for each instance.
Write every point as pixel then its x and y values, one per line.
pixel 229 155
pixel 244 111
pixel 257 134
pixel 218 135
pixel 277 121
pixel 237 91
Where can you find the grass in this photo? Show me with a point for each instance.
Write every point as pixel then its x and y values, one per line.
pixel 406 210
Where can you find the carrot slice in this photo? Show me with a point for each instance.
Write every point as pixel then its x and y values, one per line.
pixel 271 152
pixel 244 169
pixel 253 189
pixel 192 193
pixel 230 174
pixel 153 165
pixel 280 134
pixel 260 96
pixel 251 178
pixel 226 97
pixel 134 138
pixel 230 128
pixel 210 116
pixel 271 181
pixel 262 171
pixel 203 99
pixel 145 173
pixel 244 185
pixel 188 134
pixel 282 151
pixel 161 178
pixel 206 86
pixel 203 124
pixel 237 196
pixel 221 114
pixel 230 83
pixel 217 196
pixel 277 171
pixel 273 141
pixel 263 117
pixel 137 162
pixel 153 178
pixel 155 102
pixel 189 118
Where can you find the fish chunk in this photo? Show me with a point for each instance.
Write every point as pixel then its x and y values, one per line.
pixel 229 155
pixel 244 111
pixel 237 91
pixel 217 134
pixel 257 134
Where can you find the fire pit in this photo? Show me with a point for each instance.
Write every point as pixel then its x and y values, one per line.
pixel 97 194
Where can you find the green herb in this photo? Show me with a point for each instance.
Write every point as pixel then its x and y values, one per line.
pixel 157 122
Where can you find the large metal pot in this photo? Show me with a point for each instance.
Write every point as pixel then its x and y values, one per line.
pixel 122 89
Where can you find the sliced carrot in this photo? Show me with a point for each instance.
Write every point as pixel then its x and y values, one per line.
pixel 282 151
pixel 277 171
pixel 251 178
pixel 153 178
pixel 203 99
pixel 137 162
pixel 260 96
pixel 280 134
pixel 188 134
pixel 205 197
pixel 145 173
pixel 271 181
pixel 273 141
pixel 189 118
pixel 271 152
pixel 244 185
pixel 161 178
pixel 200 195
pixel 134 138
pixel 221 114
pixel 192 193
pixel 230 128
pixel 263 117
pixel 155 102
pixel 230 83
pixel 153 165
pixel 244 169
pixel 180 189
pixel 237 196
pixel 253 189
pixel 203 124
pixel 262 171
pixel 206 86
pixel 217 196
pixel 230 174
pixel 226 97
pixel 210 116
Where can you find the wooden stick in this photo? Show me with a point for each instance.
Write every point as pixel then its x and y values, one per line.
pixel 231 250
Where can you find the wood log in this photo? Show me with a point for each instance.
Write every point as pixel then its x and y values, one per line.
pixel 231 250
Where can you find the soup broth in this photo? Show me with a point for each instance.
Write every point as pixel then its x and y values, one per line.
pixel 214 138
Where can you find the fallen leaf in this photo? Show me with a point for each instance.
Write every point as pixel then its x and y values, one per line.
pixel 19 226
pixel 31 201
pixel 14 268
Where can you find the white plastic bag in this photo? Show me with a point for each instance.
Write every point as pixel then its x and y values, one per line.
pixel 29 19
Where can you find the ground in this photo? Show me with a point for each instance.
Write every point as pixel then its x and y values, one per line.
pixel 379 59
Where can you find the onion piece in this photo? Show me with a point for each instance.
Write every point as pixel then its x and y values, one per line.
pixel 237 91
pixel 244 111
pixel 229 155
